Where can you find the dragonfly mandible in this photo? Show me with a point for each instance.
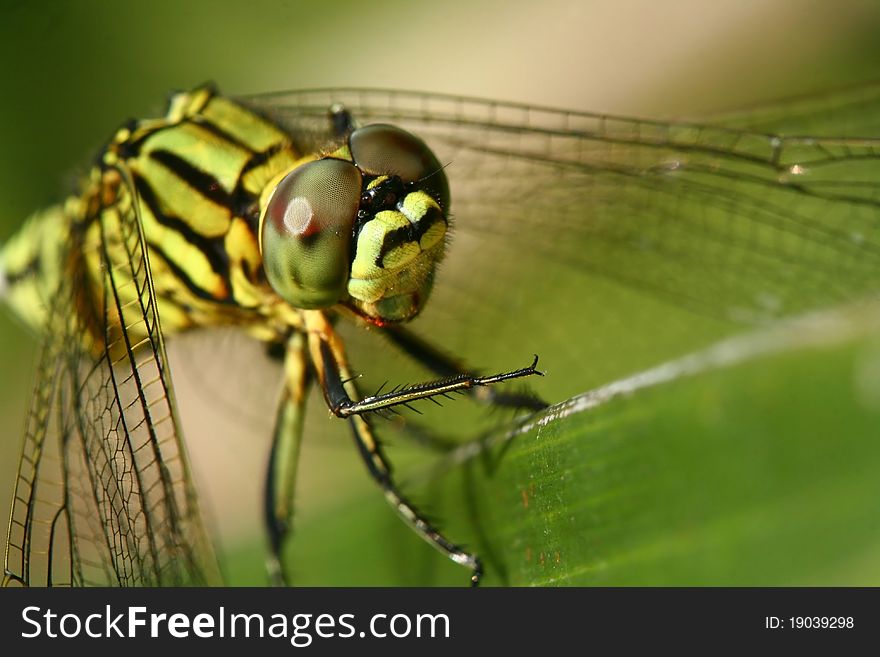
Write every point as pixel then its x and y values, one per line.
pixel 556 228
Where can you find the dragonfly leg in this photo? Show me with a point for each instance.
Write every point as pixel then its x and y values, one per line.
pixel 442 364
pixel 328 357
pixel 284 456
pixel 380 470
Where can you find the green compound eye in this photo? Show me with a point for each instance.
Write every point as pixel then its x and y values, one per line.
pixel 305 232
pixel 385 150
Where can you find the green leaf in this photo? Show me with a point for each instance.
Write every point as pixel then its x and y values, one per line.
pixel 751 463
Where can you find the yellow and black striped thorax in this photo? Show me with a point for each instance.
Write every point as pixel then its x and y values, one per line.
pixel 198 174
pixel 190 184
pixel 240 228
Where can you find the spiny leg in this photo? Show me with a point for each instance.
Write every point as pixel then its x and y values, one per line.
pixel 343 404
pixel 326 348
pixel 435 360
pixel 284 456
pixel 379 468
pixel 336 380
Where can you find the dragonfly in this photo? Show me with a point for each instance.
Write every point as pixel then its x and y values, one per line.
pixel 460 232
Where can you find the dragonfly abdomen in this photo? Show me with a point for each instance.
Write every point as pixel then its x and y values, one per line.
pixel 31 265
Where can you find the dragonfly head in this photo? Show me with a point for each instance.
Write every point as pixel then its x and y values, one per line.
pixel 363 226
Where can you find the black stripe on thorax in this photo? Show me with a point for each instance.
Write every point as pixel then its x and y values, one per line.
pixel 240 202
pixel 214 249
pixel 217 131
pixel 182 276
pixel 247 204
pixel 200 181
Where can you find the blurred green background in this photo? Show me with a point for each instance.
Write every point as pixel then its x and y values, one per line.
pixel 71 72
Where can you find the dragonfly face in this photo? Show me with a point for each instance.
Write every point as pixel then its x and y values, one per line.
pixel 364 226
pixel 573 232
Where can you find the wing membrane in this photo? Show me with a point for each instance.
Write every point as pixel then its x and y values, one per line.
pixel 103 495
pixel 608 244
pixel 848 112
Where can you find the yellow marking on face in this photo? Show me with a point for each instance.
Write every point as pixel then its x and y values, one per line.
pixel 376 181
pixel 400 256
pixel 366 290
pixel 433 236
pixel 416 206
pixel 369 243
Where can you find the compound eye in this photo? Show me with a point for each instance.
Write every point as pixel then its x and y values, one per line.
pixel 386 150
pixel 305 232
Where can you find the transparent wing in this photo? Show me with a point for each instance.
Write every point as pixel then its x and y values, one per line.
pixel 608 244
pixel 103 495
pixel 847 112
